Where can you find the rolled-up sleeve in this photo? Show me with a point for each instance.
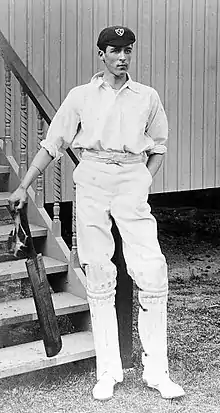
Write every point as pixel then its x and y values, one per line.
pixel 157 125
pixel 63 127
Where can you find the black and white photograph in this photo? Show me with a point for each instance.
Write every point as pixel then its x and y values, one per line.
pixel 109 206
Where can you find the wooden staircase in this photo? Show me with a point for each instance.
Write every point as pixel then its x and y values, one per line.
pixel 66 278
pixel 17 308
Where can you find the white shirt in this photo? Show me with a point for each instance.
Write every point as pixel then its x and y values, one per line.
pixel 131 119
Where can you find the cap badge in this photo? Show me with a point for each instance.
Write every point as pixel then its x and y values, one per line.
pixel 119 32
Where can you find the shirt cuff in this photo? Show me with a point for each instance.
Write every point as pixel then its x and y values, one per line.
pixel 160 149
pixel 52 149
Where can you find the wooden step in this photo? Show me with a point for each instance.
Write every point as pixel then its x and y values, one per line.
pixel 4 169
pixel 4 178
pixel 15 270
pixel 4 198
pixel 17 311
pixel 31 356
pixel 36 231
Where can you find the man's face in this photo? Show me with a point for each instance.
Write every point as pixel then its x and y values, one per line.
pixel 117 59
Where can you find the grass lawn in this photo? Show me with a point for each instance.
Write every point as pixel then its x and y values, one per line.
pixel 193 331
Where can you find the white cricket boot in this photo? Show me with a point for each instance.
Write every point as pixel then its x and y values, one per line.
pixel 167 388
pixel 104 388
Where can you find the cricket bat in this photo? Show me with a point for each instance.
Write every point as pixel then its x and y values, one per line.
pixel 21 241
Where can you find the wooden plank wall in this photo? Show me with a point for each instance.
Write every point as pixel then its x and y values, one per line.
pixel 177 52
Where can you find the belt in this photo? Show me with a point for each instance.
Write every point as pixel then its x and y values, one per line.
pixel 113 157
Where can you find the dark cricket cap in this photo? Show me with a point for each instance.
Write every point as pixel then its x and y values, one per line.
pixel 115 36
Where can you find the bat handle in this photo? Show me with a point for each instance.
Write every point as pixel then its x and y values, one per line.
pixel 31 252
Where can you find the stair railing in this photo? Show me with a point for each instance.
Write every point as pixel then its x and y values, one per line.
pixel 29 88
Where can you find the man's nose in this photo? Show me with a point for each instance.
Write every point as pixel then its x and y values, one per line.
pixel 122 55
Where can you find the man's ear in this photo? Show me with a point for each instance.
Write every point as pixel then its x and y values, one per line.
pixel 101 55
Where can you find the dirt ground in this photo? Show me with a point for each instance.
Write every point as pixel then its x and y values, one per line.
pixel 189 238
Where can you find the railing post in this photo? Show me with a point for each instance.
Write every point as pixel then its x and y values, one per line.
pixel 39 194
pixel 74 254
pixel 56 226
pixel 23 134
pixel 7 141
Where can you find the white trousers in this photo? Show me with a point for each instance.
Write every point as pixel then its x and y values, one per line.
pixel 106 190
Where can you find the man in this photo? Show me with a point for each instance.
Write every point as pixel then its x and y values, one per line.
pixel 122 141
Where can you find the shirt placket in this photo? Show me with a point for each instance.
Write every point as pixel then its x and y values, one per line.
pixel 108 104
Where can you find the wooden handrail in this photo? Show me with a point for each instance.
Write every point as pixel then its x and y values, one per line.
pixel 30 85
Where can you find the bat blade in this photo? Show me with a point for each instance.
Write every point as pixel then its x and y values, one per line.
pixel 44 305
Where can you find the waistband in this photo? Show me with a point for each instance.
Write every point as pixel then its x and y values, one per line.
pixel 113 157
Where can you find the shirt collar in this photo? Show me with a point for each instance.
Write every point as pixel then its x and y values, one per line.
pixel 97 81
